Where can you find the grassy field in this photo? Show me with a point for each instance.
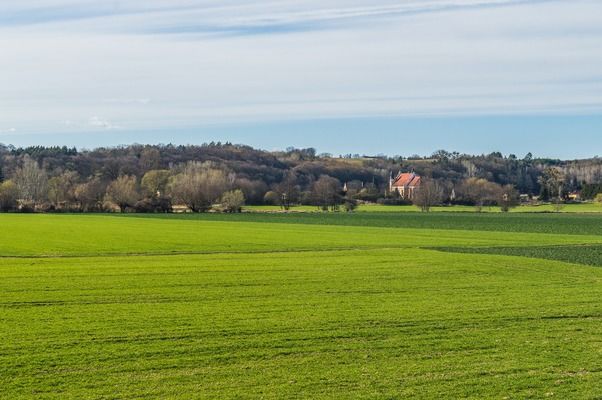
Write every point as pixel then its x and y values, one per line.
pixel 544 208
pixel 574 224
pixel 341 306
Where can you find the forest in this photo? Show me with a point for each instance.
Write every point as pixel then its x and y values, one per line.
pixel 156 178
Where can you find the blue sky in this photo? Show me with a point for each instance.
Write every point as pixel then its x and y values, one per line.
pixel 353 76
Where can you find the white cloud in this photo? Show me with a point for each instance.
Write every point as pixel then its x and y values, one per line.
pixel 133 15
pixel 312 59
pixel 97 122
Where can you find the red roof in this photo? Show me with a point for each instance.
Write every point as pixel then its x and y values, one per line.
pixel 407 179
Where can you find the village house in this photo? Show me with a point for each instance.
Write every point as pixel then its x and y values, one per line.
pixel 574 196
pixel 405 184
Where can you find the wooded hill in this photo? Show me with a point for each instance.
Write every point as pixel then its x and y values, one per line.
pixel 257 173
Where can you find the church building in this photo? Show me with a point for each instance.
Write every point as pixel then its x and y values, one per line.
pixel 405 184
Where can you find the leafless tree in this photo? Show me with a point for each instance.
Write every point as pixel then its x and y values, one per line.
pixel 150 158
pixel 254 190
pixel 123 192
pixel 552 181
pixel 61 189
pixel 154 183
pixel 480 192
pixel 32 181
pixel 272 198
pixel 9 195
pixel 508 198
pixel 90 194
pixel 198 186
pixel 232 201
pixel 288 191
pixel 429 194
pixel 326 192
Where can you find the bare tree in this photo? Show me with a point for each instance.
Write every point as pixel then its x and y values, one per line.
pixel 198 186
pixel 288 191
pixel 326 192
pixel 150 158
pixel 552 181
pixel 122 191
pixel 480 192
pixel 154 183
pixel 428 194
pixel 508 198
pixel 254 190
pixel 271 197
pixel 32 181
pixel 90 194
pixel 61 189
pixel 9 195
pixel 233 201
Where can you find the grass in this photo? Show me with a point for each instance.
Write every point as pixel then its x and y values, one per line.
pixel 585 254
pixel 573 224
pixel 252 306
pixel 544 208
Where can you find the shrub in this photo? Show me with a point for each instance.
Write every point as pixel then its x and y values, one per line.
pixel 27 208
pixel 153 205
pixel 271 198
pixel 393 201
pixel 368 194
pixel 233 201
pixel 349 205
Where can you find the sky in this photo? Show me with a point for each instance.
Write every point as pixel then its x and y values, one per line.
pixel 354 76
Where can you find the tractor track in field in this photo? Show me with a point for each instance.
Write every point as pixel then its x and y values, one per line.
pixel 521 251
pixel 217 252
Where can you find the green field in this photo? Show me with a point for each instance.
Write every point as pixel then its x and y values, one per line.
pixel 544 208
pixel 276 306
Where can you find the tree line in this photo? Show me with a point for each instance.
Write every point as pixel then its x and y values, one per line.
pixel 225 176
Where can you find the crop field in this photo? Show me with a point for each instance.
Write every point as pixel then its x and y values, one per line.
pixel 544 208
pixel 309 306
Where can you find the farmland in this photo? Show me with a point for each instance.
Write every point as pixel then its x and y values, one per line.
pixel 363 305
pixel 541 208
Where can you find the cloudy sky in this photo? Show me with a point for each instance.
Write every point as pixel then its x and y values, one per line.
pixel 378 76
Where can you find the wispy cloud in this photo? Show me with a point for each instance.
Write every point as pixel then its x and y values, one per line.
pixel 97 122
pixel 225 17
pixel 209 61
pixel 94 123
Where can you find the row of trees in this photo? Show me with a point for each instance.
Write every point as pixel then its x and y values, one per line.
pixel 264 169
pixel 153 178
pixel 473 191
pixel 196 185
pixel 325 193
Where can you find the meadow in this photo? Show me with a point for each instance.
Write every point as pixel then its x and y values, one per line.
pixel 540 208
pixel 342 306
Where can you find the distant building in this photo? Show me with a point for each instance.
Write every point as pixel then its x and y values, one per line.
pixel 405 184
pixel 575 196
